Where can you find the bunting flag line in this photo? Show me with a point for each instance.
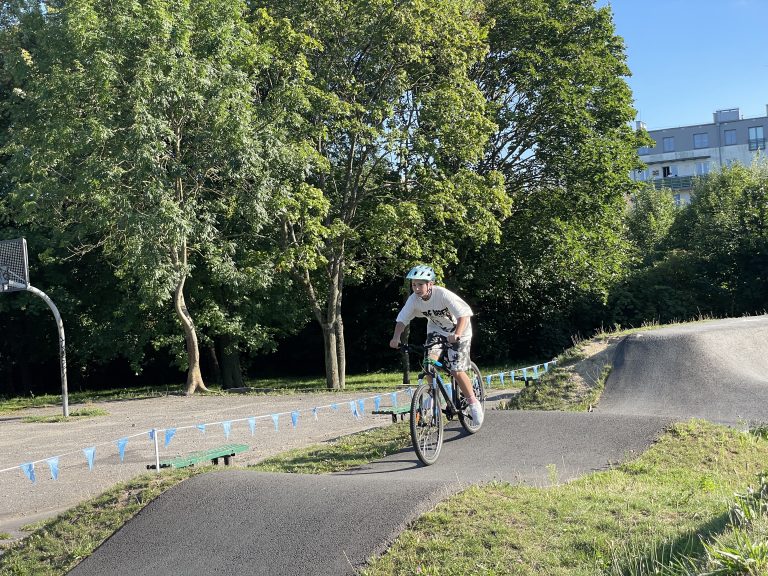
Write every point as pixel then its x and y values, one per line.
pixel 357 409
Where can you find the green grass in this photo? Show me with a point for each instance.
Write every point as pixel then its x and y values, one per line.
pixel 345 453
pixel 73 415
pixel 659 506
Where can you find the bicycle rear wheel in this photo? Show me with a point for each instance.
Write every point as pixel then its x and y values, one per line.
pixel 478 386
pixel 426 424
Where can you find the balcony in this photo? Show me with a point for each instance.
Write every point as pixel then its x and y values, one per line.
pixel 675 182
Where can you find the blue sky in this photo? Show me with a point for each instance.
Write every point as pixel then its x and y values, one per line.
pixel 691 57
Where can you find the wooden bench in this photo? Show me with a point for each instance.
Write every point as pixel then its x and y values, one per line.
pixel 227 452
pixel 394 411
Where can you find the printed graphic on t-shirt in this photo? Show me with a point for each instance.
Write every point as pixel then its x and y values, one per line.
pixel 442 318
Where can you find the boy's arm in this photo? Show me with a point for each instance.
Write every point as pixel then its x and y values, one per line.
pixel 461 325
pixel 395 342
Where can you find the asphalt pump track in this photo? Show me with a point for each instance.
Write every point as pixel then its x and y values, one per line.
pixel 243 522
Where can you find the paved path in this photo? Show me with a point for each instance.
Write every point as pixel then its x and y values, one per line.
pixel 247 522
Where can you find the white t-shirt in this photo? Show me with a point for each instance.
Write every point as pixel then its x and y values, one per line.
pixel 442 311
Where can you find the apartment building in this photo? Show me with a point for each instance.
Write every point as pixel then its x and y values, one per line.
pixel 680 154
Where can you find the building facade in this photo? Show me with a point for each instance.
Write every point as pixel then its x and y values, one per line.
pixel 683 153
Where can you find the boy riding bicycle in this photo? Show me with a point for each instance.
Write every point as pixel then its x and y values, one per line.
pixel 448 327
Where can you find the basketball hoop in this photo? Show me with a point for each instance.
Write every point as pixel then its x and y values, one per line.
pixel 14 276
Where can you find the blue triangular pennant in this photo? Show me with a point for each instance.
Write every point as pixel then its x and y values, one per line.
pixel 121 448
pixel 376 402
pixel 227 426
pixel 393 395
pixel 501 379
pixel 169 434
pixel 89 455
pixel 29 470
pixel 152 434
pixel 275 418
pixel 252 424
pixel 361 407
pixel 201 427
pixel 314 412
pixel 294 418
pixel 53 464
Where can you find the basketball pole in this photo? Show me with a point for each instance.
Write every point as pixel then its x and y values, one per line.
pixel 62 344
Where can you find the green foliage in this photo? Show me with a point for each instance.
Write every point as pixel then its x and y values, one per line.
pixel 712 259
pixel 151 136
pixel 554 79
pixel 650 220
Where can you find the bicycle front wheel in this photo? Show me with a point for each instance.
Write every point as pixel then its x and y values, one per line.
pixel 426 424
pixel 478 387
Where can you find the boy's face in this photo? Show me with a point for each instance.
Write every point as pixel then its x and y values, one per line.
pixel 421 288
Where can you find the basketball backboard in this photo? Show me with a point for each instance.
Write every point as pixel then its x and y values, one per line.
pixel 14 267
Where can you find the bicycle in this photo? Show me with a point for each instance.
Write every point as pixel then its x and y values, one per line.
pixel 427 423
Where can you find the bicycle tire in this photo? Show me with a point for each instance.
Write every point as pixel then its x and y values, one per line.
pixel 426 425
pixel 478 386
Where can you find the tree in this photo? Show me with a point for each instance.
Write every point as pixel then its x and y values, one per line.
pixel 555 79
pixel 397 122
pixel 138 127
pixel 650 220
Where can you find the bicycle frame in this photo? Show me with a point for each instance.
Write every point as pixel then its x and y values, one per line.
pixel 430 366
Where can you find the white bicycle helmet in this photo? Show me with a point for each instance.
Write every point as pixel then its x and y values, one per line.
pixel 421 272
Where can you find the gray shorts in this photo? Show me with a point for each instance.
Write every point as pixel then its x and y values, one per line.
pixel 458 354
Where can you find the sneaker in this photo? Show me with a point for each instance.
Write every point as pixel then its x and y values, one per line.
pixel 476 411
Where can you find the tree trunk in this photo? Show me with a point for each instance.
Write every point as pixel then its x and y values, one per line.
pixel 194 376
pixel 406 357
pixel 341 353
pixel 214 369
pixel 331 357
pixel 232 375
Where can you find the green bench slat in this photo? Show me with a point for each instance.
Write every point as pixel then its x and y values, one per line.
pixel 394 411
pixel 226 451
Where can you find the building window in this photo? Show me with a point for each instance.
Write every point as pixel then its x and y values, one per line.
pixel 669 144
pixel 701 140
pixel 730 137
pixel 667 171
pixel 702 168
pixel 756 138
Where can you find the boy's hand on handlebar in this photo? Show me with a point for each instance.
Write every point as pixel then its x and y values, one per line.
pixel 394 343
